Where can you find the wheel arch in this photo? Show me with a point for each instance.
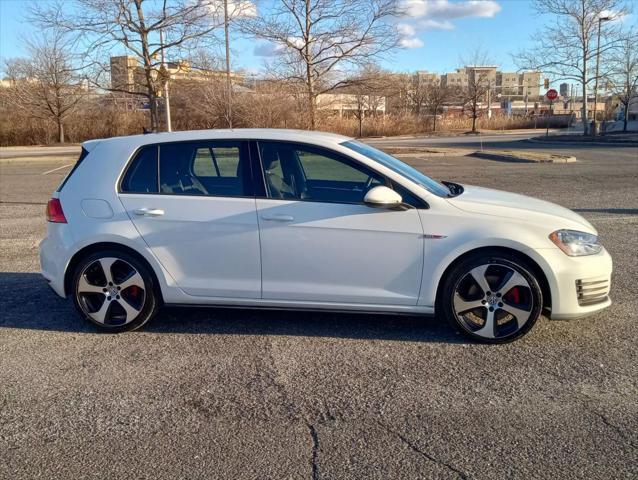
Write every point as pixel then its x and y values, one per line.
pixel 537 270
pixel 100 246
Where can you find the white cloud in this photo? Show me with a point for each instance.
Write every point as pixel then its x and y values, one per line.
pixel 406 30
pixel 236 8
pixel 411 42
pixel 419 15
pixel 267 49
pixel 295 42
pixel 430 24
pixel 447 10
pixel 615 16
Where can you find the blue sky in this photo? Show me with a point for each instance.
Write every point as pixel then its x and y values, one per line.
pixel 438 32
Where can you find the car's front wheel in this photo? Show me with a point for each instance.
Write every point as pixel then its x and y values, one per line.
pixel 492 298
pixel 114 291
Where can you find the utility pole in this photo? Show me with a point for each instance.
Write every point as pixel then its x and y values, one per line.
pixel 229 85
pixel 167 104
pixel 594 129
pixel 489 99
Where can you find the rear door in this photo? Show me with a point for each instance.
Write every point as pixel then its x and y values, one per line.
pixel 194 205
pixel 321 243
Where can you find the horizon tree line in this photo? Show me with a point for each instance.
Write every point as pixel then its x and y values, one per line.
pixel 320 46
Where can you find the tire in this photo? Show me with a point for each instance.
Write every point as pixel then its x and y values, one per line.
pixel 491 297
pixel 121 300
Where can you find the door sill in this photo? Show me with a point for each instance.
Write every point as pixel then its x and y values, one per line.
pixel 311 306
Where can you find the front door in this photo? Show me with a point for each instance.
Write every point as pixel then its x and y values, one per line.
pixel 193 204
pixel 321 243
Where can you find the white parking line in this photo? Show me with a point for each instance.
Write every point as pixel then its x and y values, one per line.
pixel 56 169
pixel 611 218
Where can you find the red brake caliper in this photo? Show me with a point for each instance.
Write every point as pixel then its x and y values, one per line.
pixel 513 296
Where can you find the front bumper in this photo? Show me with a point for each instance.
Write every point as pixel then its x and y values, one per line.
pixel 579 285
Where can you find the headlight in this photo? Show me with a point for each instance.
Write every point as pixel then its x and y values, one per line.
pixel 576 244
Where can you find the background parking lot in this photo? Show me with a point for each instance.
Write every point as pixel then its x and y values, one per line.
pixel 220 393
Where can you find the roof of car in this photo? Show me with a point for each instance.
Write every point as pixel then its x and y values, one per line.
pixel 306 136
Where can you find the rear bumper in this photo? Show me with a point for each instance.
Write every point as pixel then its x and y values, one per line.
pixel 579 286
pixel 55 253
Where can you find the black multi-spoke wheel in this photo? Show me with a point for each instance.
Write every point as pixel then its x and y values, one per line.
pixel 493 298
pixel 114 291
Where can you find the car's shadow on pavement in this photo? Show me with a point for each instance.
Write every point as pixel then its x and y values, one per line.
pixel 28 303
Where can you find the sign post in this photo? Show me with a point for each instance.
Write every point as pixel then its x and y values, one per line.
pixel 551 96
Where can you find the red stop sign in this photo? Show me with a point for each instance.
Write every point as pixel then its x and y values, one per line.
pixel 551 94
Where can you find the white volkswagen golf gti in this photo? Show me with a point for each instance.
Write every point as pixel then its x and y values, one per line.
pixel 308 220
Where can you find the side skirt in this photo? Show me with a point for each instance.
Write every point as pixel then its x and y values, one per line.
pixel 336 308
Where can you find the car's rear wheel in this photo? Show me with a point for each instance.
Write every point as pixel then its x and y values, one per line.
pixel 493 298
pixel 114 291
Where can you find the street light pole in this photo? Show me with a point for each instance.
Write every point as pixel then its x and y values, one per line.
pixel 489 99
pixel 229 86
pixel 167 103
pixel 594 124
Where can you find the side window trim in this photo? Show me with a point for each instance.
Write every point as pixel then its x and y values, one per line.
pixel 257 166
pixel 242 142
pixel 212 155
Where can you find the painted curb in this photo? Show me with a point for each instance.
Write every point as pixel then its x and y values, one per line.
pixel 523 159
pixel 584 142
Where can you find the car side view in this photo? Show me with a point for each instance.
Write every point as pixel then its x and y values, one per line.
pixel 308 220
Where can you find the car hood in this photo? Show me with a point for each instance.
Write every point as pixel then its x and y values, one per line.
pixel 487 201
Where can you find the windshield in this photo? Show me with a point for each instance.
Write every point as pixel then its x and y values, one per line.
pixel 399 167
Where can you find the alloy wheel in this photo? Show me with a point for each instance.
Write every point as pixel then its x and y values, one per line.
pixel 493 301
pixel 111 291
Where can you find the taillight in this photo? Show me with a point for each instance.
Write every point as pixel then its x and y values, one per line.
pixel 54 211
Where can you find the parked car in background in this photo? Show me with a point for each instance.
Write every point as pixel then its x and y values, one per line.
pixel 308 220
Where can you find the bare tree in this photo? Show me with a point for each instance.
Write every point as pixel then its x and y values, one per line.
pixel 478 85
pixel 566 47
pixel 134 26
pixel 623 68
pixel 435 96
pixel 367 89
pixel 315 38
pixel 416 94
pixel 47 84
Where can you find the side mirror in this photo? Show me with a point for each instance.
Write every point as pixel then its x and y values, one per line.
pixel 383 197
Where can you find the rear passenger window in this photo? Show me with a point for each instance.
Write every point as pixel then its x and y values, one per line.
pixel 216 168
pixel 216 162
pixel 141 176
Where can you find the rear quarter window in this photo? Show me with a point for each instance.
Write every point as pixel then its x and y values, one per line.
pixel 83 155
pixel 141 175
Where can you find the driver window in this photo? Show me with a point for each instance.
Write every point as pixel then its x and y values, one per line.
pixel 304 172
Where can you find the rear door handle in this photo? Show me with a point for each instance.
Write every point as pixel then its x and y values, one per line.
pixel 278 217
pixel 149 212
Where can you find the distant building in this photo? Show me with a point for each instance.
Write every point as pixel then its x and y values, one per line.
pixel 424 77
pixel 128 74
pixel 508 84
pixel 530 83
pixel 348 103
pixel 458 79
pixel 563 90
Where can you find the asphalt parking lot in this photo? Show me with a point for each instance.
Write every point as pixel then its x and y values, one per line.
pixel 212 393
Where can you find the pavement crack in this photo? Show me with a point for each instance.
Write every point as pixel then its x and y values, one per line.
pixel 463 475
pixel 271 372
pixel 614 427
pixel 315 450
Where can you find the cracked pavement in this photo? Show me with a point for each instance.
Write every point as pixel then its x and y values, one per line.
pixel 213 393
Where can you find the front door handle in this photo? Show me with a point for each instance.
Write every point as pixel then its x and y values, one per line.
pixel 278 217
pixel 149 212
